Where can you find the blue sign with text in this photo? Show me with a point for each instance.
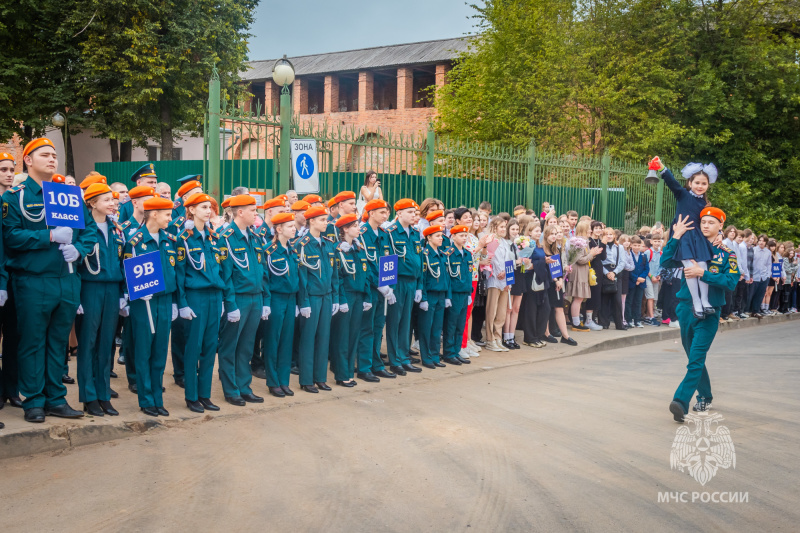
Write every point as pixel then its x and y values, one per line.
pixel 509 272
pixel 776 270
pixel 63 205
pixel 387 270
pixel 143 275
pixel 555 268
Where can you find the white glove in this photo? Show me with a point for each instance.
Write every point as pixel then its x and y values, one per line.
pixel 335 309
pixel 265 311
pixel 296 311
pixel 385 290
pixel 345 247
pixel 123 302
pixel 61 235
pixel 447 303
pixel 187 313
pixel 343 308
pixel 174 312
pixel 147 298
pixel 423 306
pixel 125 312
pixel 417 297
pixel 367 306
pixel 469 300
pixel 69 252
pixel 189 224
pixel 392 299
pixel 80 309
pixel 3 298
pixel 235 316
pixel 306 312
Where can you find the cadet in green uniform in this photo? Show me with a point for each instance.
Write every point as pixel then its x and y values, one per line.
pixel 102 299
pixel 47 293
pixel 351 260
pixel 9 388
pixel 459 263
pixel 282 299
pixel 189 185
pixel 319 300
pixel 200 292
pixel 698 334
pixel 144 177
pixel 373 238
pixel 404 241
pixel 435 298
pixel 245 302
pixel 345 203
pixel 150 349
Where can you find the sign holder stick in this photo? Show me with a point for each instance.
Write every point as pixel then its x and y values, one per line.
pixel 150 317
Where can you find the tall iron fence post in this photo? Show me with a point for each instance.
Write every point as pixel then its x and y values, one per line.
pixel 431 142
pixel 285 153
pixel 213 136
pixel 604 176
pixel 529 185
pixel 659 200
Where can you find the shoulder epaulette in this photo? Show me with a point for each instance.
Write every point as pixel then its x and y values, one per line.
pixel 391 228
pixel 363 229
pixel 425 251
pixel 172 237
pixel 272 248
pixel 118 226
pixel 213 234
pixel 135 238
pixel 227 233
pixel 328 239
pixel 125 225
pixel 178 222
pixel 183 234
pixel 725 248
pixel 449 251
pixel 16 188
pixel 302 241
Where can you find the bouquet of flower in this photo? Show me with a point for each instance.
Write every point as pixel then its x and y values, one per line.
pixel 522 242
pixel 576 246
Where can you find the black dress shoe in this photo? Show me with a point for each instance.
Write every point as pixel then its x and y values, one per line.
pixel 398 370
pixel 93 408
pixel 569 340
pixel 286 390
pixel 14 401
pixel 411 368
pixel 67 380
pixel 463 361
pixel 350 383
pixel 63 411
pixel 162 411
pixel 415 360
pixel 252 398
pixel 235 400
pixel 479 343
pixel 113 374
pixel 2 425
pixel 369 377
pixel 557 334
pixel 439 364
pixel 677 411
pixel 180 382
pixel 295 371
pixel 413 352
pixel 709 311
pixel 260 373
pixel 429 365
pixel 384 374
pixel 207 405
pixel 452 361
pixel 150 411
pixel 195 407
pixel 309 388
pixel 323 386
pixel 514 345
pixel 133 388
pixel 277 392
pixel 35 415
pixel 508 345
pixel 108 408
pixel 113 393
pixel 698 314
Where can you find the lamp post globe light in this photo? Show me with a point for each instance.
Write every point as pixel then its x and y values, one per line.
pixel 283 72
pixel 283 75
pixel 58 120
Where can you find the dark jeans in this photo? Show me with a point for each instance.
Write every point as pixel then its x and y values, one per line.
pixel 594 302
pixel 759 290
pixel 670 299
pixel 633 303
pixel 740 297
pixel 728 307
pixel 534 324
pixel 611 310
pixel 478 317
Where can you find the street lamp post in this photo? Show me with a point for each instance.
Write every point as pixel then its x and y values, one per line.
pixel 283 75
pixel 60 121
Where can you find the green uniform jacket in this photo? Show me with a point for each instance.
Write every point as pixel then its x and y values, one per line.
pixel 199 261
pixel 282 272
pixel 106 257
pixel 142 243
pixel 352 266
pixel 27 244
pixel 265 233
pixel 375 246
pixel 318 273
pixel 722 274
pixel 242 271
pixel 125 211
pixel 3 271
pixel 408 248
pixel 435 274
pixel 459 267
pixel 330 230
pixel 129 227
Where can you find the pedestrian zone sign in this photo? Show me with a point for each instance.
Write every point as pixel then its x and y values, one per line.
pixel 304 165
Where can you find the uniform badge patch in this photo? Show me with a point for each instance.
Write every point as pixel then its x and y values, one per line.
pixel 5 209
pixel 119 251
pixel 172 260
pixel 181 254
pixel 217 257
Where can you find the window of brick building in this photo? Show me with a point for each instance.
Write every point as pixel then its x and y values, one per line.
pixel 384 91
pixel 348 93
pixel 316 95
pixel 423 80
pixel 256 103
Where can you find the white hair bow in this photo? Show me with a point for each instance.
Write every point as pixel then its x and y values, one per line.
pixel 693 168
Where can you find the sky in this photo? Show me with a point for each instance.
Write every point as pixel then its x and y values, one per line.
pixel 303 27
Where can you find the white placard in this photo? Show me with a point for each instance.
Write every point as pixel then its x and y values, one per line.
pixel 304 166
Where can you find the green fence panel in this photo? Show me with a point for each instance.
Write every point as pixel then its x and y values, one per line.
pixel 255 174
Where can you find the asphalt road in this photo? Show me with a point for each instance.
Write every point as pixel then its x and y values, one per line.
pixel 575 444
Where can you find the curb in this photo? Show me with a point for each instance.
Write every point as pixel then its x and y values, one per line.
pixel 65 437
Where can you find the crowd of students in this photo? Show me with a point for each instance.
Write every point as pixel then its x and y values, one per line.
pixel 292 287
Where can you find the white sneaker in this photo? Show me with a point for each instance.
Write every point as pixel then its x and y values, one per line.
pixel 415 346
pixel 472 346
pixel 593 326
pixel 472 353
pixel 493 347
pixel 674 324
pixel 463 353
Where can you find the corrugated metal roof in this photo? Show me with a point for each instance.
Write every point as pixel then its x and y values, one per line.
pixel 427 52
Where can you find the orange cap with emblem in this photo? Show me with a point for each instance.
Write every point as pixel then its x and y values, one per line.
pixel 405 203
pixel 91 180
pixel 433 215
pixel 157 204
pixel 430 230
pixel 375 204
pixel 346 219
pixel 141 191
pixel 275 202
pixel 5 156
pixel 35 144
pixel 300 205
pixel 95 189
pixel 282 218
pixel 188 186
pixel 314 212
pixel 241 200
pixel 197 198
pixel 715 212
pixel 458 229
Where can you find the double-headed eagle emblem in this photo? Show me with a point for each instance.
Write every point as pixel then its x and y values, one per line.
pixel 702 450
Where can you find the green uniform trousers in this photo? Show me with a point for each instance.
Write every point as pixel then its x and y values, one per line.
pixel 455 319
pixel 430 327
pixel 46 309
pixel 398 322
pixel 178 346
pixel 129 350
pixel 337 325
pixel 315 334
pixel 100 301
pixel 279 339
pixel 201 342
pixel 150 351
pixel 696 337
pixel 236 345
pixel 9 377
pixel 369 341
pixel 257 361
pixel 347 348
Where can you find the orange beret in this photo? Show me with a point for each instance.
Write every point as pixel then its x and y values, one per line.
pixel 188 186
pixel 332 202
pixel 283 197
pixel 346 219
pixel 226 202
pixel 433 215
pixel 35 144
pixel 300 205
pixel 715 212
pixel 458 229
pixel 312 198
pixel 375 204
pixel 4 156
pixel 275 202
pixel 315 211
pixel 405 203
pixel 95 189
pixel 91 180
pixel 344 195
pixel 430 230
pixel 196 198
pixel 157 204
pixel 58 178
pixel 240 201
pixel 282 218
pixel 141 191
pixel 116 195
pixel 365 216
